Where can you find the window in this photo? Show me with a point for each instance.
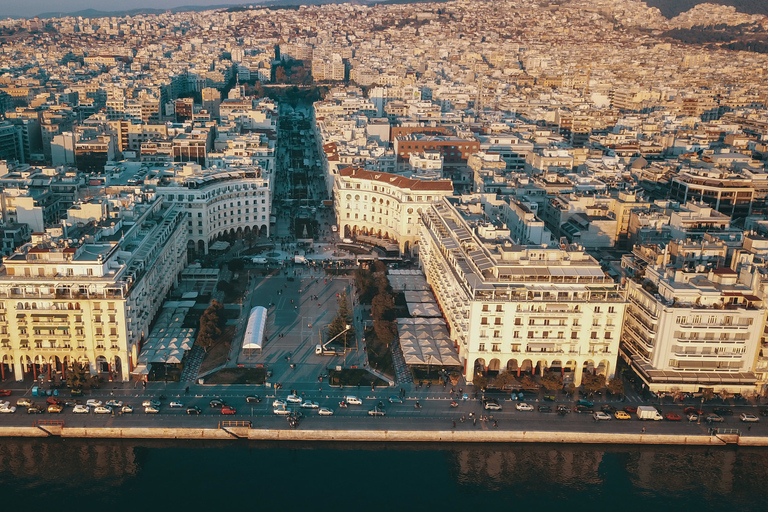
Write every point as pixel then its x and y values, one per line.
pixel 496 347
pixel 611 309
pixel 481 348
pixel 499 308
pixel 485 307
pixel 597 309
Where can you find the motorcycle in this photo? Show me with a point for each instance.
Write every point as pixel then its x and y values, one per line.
pixel 454 404
pixel 417 405
pixel 342 404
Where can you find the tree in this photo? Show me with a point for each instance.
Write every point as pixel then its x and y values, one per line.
pixel 552 381
pixel 210 326
pixel 503 380
pixel 570 389
pixel 708 394
pixel 592 383
pixel 480 381
pixel 78 376
pixel 616 386
pixel 236 265
pixel 342 319
pixel 382 306
pixel 528 382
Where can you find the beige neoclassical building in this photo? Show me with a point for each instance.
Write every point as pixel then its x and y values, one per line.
pixel 89 298
pixel 514 308
pixel 384 206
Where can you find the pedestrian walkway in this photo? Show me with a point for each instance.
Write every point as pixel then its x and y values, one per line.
pixel 402 372
pixel 192 364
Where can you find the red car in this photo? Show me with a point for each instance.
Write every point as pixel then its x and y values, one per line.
pixel 228 410
pixel 5 392
pixel 672 416
pixel 630 409
pixel 53 401
pixel 693 410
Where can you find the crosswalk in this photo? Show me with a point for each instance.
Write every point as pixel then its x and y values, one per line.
pixel 403 373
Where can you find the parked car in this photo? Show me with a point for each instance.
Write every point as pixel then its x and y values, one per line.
pixel 622 415
pixel 228 410
pixel 601 416
pixel 81 409
pixel 253 399
pixel 102 409
pixel 126 409
pixel 35 409
pixel 52 400
pixel 723 411
pixel 748 418
pixel 150 403
pixel 8 409
pixel 217 402
pixel 151 409
pixel 5 403
pixel 114 403
pixel 23 402
pixel 55 408
pixel 671 416
pixel 325 411
pixel 631 409
pixel 5 392
pixel 522 406
pixel 176 404
pixel 585 403
pixel 608 409
pixel 545 408
pixel 309 404
pixel 693 410
pixel 193 410
pixel 714 418
pixel 75 392
pixel 583 409
pixel 92 402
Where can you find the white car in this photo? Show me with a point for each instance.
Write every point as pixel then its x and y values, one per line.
pixel 102 409
pixel 294 399
pixel 281 411
pixel 126 409
pixel 522 406
pixel 176 404
pixel 8 409
pixel 325 411
pixel 749 418
pixel 353 400
pixel 309 404
pixel 114 403
pixel 150 409
pixel 279 403
pixel 601 416
pixel 92 402
pixel 150 403
pixel 81 409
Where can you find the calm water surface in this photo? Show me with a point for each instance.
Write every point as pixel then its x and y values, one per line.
pixel 144 475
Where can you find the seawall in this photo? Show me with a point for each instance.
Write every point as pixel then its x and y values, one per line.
pixel 399 436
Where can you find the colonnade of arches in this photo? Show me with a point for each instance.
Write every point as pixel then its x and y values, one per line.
pixel 33 366
pixel 571 370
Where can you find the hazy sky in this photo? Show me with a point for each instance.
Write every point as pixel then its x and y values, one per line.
pixel 30 8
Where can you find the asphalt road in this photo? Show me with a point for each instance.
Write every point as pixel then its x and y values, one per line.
pixel 435 412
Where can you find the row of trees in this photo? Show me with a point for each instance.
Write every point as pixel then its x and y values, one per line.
pixel 552 381
pixel 342 319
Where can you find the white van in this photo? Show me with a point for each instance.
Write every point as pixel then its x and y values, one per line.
pixel 353 400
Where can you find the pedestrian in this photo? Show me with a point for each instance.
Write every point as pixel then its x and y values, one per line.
pixel 643 430
pixel 454 423
pixel 474 421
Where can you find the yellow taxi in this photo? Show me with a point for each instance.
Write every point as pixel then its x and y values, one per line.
pixel 621 415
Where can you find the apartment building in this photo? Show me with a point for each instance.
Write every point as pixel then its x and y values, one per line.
pixel 232 203
pixel 690 327
pixel 515 308
pixel 383 205
pixel 89 298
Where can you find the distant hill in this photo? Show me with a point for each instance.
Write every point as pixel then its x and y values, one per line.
pixel 668 8
pixel 671 8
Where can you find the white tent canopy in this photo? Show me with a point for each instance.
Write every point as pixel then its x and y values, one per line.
pixel 254 331
pixel 425 341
